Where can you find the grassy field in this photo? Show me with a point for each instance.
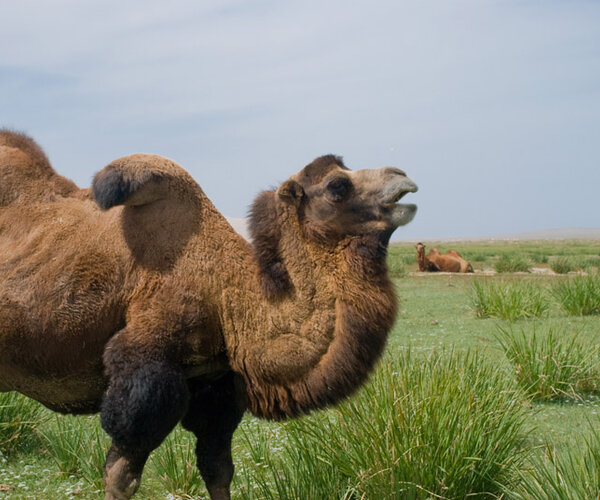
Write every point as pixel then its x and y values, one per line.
pixel 484 402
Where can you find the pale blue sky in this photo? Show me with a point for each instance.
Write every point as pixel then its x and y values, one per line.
pixel 492 107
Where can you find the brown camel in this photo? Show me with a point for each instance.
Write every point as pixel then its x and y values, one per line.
pixel 434 261
pixel 137 299
pixel 423 263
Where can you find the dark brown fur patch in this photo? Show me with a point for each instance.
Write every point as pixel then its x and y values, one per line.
pixel 314 172
pixel 265 233
pixel 112 186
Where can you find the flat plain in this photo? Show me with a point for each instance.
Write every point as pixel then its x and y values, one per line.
pixel 446 394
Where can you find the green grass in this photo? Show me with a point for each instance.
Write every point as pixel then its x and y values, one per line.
pixel 425 426
pixel 509 300
pixel 397 268
pixel 579 296
pixel 78 446
pixel 552 364
pixel 570 474
pixel 539 258
pixel 590 264
pixel 174 462
pixel 483 254
pixel 512 264
pixel 19 419
pixel 562 265
pixel 439 355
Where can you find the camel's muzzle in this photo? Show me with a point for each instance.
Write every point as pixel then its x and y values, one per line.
pixel 398 186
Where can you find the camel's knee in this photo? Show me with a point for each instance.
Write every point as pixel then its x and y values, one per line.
pixel 141 407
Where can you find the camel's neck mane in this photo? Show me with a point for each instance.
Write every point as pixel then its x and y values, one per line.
pixel 421 259
pixel 334 310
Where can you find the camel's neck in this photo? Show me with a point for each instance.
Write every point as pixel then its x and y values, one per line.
pixel 421 259
pixel 317 344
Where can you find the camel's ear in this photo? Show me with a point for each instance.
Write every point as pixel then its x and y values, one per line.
pixel 265 233
pixel 291 192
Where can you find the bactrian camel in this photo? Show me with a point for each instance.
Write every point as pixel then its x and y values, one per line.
pixel 137 299
pixel 434 261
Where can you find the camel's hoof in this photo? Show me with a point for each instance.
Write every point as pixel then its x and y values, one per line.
pixel 119 482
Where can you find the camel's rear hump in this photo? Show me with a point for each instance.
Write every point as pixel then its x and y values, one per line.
pixel 26 144
pixel 25 172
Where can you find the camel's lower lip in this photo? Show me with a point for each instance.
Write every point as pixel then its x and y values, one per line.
pixel 402 214
pixel 407 206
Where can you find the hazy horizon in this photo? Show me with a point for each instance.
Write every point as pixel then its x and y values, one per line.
pixel 493 108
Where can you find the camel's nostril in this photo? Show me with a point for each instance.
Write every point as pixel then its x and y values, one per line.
pixel 395 171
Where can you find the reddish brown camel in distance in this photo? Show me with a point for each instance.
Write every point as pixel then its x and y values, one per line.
pixel 434 261
pixel 137 299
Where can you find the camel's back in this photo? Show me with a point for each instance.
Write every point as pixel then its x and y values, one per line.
pixel 26 174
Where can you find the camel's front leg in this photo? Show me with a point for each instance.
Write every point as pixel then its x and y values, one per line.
pixel 144 401
pixel 214 413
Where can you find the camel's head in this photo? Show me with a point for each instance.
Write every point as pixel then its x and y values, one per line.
pixel 330 203
pixel 333 202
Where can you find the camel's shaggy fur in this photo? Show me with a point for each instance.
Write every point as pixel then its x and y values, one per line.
pixel 137 299
pixel 434 261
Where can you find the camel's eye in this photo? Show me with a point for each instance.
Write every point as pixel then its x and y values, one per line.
pixel 338 188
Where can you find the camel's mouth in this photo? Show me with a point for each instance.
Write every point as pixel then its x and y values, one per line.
pixel 397 189
pixel 400 213
pixel 398 197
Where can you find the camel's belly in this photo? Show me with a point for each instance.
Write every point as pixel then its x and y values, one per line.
pixel 61 368
pixel 77 393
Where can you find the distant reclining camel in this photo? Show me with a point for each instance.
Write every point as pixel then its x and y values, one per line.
pixel 434 261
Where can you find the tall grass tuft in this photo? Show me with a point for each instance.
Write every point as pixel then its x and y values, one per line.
pixel 19 418
pixel 396 267
pixel 509 263
pixel 409 259
pixel 442 426
pixel 570 474
pixel 562 265
pixel 476 256
pixel 175 464
pixel 283 464
pixel 589 264
pixel 508 300
pixel 78 445
pixel 579 296
pixel 551 365
pixel 539 257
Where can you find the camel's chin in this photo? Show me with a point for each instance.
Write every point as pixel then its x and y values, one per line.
pixel 402 214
